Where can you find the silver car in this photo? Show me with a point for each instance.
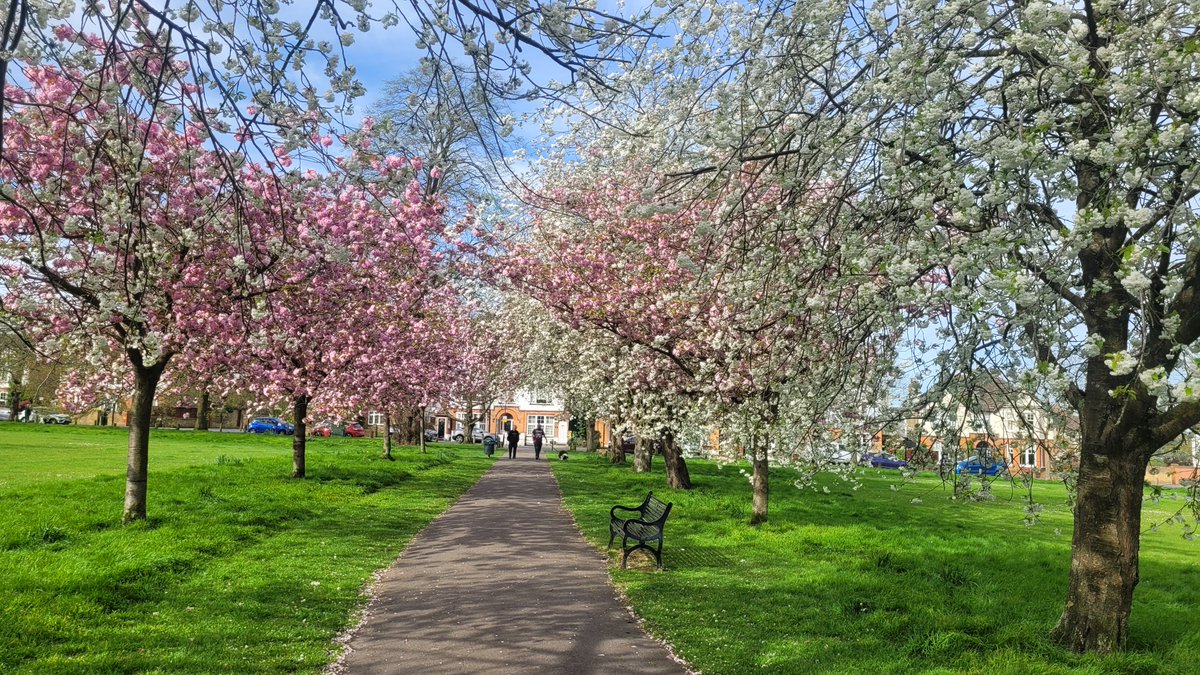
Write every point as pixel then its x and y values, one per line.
pixel 476 436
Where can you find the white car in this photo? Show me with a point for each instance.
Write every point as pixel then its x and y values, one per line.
pixel 6 414
pixel 476 436
pixel 56 418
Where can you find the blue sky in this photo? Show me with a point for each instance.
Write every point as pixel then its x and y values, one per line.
pixel 382 54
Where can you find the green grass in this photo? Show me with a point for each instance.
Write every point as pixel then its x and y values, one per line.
pixel 238 569
pixel 857 581
pixel 35 453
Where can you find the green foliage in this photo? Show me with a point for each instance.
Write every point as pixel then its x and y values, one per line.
pixel 868 581
pixel 238 569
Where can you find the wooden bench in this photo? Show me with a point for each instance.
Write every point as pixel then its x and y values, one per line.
pixel 644 528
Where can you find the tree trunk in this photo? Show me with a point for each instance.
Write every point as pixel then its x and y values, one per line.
pixel 408 427
pixel 416 426
pixel 145 384
pixel 421 427
pixel 677 471
pixel 1104 551
pixel 469 421
pixel 643 455
pixel 202 412
pixel 616 448
pixel 299 411
pixel 592 444
pixel 404 428
pixel 762 488
pixel 387 437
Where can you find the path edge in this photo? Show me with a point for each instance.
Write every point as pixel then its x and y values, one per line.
pixel 341 642
pixel 622 599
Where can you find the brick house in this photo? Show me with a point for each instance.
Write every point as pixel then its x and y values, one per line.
pixel 524 410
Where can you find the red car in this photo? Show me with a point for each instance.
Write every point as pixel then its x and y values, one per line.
pixel 354 430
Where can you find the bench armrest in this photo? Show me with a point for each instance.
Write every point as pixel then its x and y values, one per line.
pixel 612 513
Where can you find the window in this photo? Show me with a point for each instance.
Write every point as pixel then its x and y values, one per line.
pixel 547 424
pixel 1029 456
pixel 375 419
pixel 541 398
pixel 3 397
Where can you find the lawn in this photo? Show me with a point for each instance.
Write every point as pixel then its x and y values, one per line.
pixel 865 580
pixel 238 569
pixel 34 453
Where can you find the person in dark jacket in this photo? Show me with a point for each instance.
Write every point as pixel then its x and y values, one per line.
pixel 513 437
pixel 538 436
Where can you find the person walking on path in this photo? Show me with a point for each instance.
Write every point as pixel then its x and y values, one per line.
pixel 467 596
pixel 538 435
pixel 513 437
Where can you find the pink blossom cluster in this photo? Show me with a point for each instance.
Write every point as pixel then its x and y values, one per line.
pixel 723 294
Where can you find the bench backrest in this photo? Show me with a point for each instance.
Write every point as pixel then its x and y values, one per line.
pixel 655 511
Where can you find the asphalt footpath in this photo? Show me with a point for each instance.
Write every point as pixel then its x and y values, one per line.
pixel 502 582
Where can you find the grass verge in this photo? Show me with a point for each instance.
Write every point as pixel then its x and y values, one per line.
pixel 238 569
pixel 38 453
pixel 845 580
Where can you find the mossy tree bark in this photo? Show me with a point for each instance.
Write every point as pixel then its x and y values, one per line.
pixel 677 471
pixel 1104 553
pixel 643 454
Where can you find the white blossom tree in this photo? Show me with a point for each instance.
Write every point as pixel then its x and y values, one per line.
pixel 1034 168
pixel 1045 156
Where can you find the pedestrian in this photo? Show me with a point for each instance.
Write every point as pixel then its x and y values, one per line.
pixel 513 437
pixel 538 435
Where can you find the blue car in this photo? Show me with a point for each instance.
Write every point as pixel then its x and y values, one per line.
pixel 882 460
pixel 269 425
pixel 979 467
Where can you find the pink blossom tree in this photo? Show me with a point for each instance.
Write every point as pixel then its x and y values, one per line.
pixel 351 297
pixel 116 231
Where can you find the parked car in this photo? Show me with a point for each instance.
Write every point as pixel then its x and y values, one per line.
pixel 840 455
pixel 981 467
pixel 269 425
pixel 431 435
pixel 56 418
pixel 882 460
pixel 476 436
pixel 6 414
pixel 353 429
pixel 629 442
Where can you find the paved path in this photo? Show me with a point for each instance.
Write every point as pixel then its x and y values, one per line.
pixel 502 583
